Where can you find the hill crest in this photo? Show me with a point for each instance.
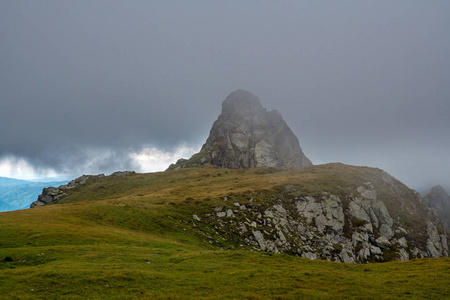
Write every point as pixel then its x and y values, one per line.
pixel 334 211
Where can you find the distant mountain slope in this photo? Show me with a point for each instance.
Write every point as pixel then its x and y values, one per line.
pixel 439 200
pixel 19 194
pixel 12 181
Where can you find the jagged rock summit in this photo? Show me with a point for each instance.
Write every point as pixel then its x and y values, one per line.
pixel 439 201
pixel 246 135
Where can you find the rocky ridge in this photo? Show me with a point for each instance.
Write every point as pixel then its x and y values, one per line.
pixel 54 194
pixel 439 201
pixel 246 135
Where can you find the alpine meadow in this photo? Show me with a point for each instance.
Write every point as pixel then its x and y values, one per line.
pixel 224 149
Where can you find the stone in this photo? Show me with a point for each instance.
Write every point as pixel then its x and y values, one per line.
pixel 382 213
pixel 243 229
pixel 373 218
pixel 364 253
pixel 327 213
pixel 271 247
pixel 246 135
pixel 260 239
pixel 368 194
pixel 280 209
pixel 433 233
pixel 374 250
pixel 444 244
pixel 403 242
pixel 431 247
pixel 436 244
pixel 357 209
pixel 403 255
pixel 282 237
pixel 80 181
pixel 402 230
pixel 221 214
pixel 268 213
pixel 345 257
pixel 309 208
pixel 386 231
pixel 360 237
pixel 383 242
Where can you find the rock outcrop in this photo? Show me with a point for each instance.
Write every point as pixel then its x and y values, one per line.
pixel 439 201
pixel 246 136
pixel 54 194
pixel 122 173
pixel 382 221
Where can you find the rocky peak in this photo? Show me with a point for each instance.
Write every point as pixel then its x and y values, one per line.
pixel 439 201
pixel 438 191
pixel 246 135
pixel 241 103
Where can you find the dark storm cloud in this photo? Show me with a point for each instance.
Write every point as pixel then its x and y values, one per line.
pixel 361 82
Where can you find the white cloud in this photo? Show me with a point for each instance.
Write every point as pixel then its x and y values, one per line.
pixel 94 161
pixel 154 159
pixel 14 167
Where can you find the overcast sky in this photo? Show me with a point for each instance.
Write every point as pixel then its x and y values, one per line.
pixel 98 86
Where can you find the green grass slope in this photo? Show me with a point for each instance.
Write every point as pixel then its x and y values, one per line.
pixel 133 237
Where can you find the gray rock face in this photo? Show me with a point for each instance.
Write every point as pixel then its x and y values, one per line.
pixel 353 228
pixel 439 201
pixel 50 194
pixel 246 135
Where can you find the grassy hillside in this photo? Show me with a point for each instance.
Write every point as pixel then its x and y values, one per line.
pixel 134 237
